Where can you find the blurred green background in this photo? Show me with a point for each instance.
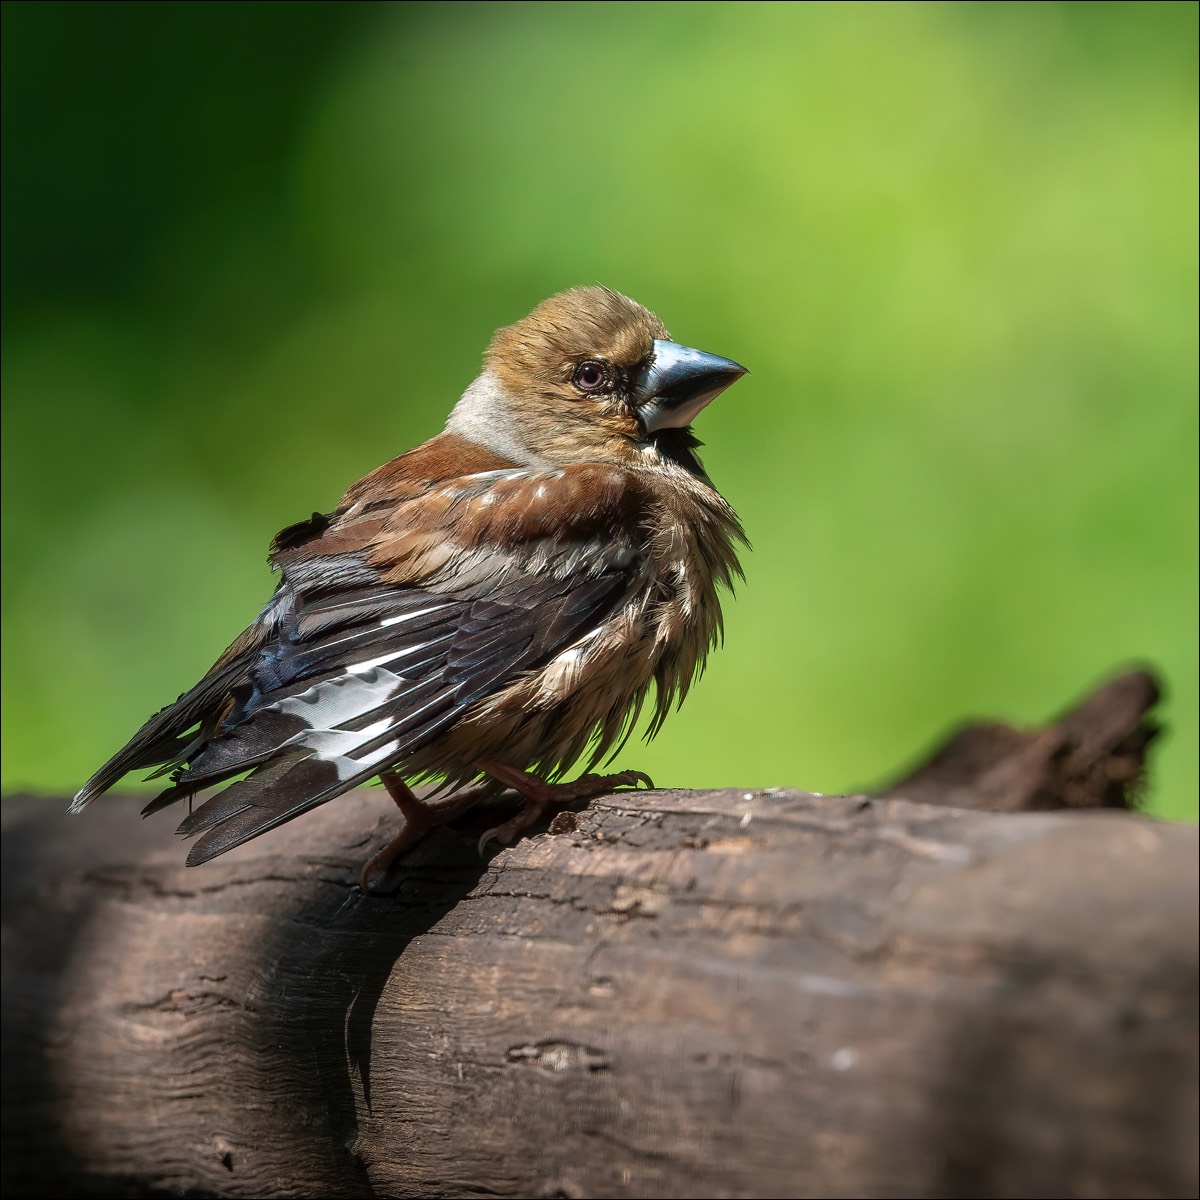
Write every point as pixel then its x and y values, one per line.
pixel 251 251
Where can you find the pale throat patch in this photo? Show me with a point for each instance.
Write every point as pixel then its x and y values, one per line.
pixel 484 415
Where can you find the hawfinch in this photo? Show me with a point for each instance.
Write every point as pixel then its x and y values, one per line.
pixel 483 610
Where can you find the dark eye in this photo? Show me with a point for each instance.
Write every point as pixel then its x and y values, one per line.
pixel 590 376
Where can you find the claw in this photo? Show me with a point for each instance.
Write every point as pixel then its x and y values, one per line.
pixel 529 812
pixel 420 817
pixel 382 861
pixel 633 778
pixel 364 876
pixel 490 835
pixel 540 795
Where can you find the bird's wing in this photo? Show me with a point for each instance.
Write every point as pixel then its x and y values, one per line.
pixel 393 618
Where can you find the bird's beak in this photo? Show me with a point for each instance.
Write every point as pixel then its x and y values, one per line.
pixel 677 382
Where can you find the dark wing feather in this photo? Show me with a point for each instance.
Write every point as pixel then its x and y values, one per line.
pixel 362 720
pixel 165 738
pixel 364 656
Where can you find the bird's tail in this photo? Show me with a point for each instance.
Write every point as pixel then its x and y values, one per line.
pixel 167 738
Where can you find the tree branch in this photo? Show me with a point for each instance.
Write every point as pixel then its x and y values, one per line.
pixel 712 993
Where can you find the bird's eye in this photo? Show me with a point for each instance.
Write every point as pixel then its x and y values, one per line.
pixel 590 376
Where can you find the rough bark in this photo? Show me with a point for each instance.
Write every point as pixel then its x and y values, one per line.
pixel 670 993
pixel 1093 757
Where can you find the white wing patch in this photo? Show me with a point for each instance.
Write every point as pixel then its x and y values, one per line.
pixel 409 616
pixel 369 664
pixel 336 745
pixel 326 704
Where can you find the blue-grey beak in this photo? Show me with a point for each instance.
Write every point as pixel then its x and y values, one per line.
pixel 677 382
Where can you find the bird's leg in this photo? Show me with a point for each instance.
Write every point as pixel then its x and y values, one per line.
pixel 416 825
pixel 540 795
pixel 420 816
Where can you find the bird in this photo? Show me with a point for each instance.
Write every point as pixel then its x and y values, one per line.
pixel 482 611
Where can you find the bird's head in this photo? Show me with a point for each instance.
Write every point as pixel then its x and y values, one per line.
pixel 589 376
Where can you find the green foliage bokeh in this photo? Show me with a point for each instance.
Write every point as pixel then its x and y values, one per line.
pixel 251 251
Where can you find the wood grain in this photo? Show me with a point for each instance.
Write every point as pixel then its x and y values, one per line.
pixel 717 993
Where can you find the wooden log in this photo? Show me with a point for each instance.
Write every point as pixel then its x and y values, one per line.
pixel 671 993
pixel 1092 757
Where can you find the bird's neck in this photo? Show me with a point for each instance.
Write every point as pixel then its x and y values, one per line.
pixel 484 415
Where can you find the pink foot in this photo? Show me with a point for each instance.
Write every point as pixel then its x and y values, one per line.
pixel 420 817
pixel 540 795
